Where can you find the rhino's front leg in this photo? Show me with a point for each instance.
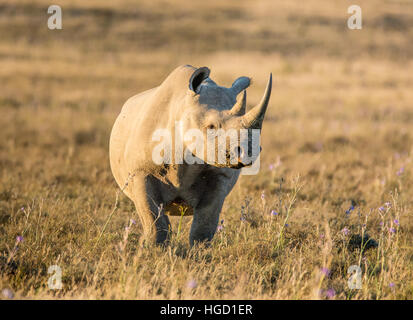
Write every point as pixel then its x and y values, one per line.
pixel 205 222
pixel 155 223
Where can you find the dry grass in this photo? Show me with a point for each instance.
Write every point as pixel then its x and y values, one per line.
pixel 340 118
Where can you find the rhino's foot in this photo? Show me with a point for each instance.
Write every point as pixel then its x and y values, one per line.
pixel 200 241
pixel 163 237
pixel 159 238
pixel 163 230
pixel 201 236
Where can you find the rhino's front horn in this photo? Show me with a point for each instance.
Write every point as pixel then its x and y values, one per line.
pixel 254 118
pixel 240 106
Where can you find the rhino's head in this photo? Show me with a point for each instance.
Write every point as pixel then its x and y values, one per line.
pixel 220 113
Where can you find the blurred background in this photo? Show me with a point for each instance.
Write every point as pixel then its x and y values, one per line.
pixel 340 114
pixel 62 89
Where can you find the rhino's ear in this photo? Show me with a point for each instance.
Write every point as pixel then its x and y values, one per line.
pixel 241 84
pixel 197 77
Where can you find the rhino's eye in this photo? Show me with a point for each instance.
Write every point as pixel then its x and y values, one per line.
pixel 211 127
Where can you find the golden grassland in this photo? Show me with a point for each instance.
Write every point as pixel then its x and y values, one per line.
pixel 338 134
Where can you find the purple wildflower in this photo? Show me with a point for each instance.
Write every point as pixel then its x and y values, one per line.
pixel 392 230
pixel 132 221
pixel 160 210
pixel 330 293
pixel 391 284
pixel 7 293
pixel 191 284
pixel 263 196
pixel 19 239
pixel 400 171
pixel 381 209
pixel 274 213
pixel 350 209
pixel 220 228
pixel 243 215
pixel 345 231
pixel 396 222
pixel 325 271
pixel 271 167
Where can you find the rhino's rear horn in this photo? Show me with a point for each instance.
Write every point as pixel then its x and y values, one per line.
pixel 240 106
pixel 197 77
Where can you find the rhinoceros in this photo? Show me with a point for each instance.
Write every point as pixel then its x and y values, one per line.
pixel 190 97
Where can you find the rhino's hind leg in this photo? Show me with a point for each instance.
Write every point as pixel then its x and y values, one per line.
pixel 206 218
pixel 156 225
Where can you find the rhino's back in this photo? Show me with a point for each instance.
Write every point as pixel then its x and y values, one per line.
pixel 134 110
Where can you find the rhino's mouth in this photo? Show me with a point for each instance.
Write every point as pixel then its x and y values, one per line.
pixel 238 165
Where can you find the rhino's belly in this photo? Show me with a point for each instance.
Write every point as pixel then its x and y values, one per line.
pixel 179 207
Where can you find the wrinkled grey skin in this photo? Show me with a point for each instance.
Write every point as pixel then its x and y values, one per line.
pixel 189 95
